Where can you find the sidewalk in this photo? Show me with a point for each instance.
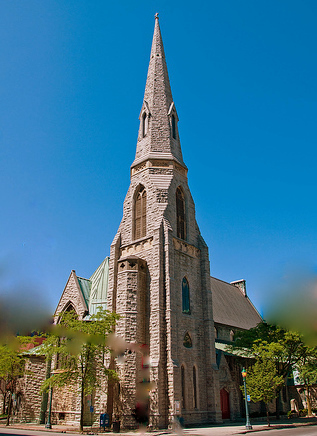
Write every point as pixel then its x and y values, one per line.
pixel 226 429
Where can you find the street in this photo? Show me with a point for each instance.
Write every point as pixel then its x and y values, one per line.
pixel 299 431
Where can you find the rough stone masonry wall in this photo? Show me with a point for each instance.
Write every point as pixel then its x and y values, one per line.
pixel 35 372
pixel 179 265
pixel 127 328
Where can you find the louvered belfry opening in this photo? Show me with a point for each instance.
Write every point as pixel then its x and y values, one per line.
pixel 180 211
pixel 140 213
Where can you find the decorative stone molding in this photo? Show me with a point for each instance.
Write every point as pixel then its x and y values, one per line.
pixel 139 168
pixel 186 248
pixel 131 263
pixel 180 169
pixel 167 171
pixel 136 247
pixel 158 163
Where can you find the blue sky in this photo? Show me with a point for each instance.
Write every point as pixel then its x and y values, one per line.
pixel 72 77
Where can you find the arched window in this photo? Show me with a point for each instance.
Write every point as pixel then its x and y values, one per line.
pixel 70 308
pixel 195 387
pixel 144 124
pixel 185 296
pixel 140 213
pixel 174 126
pixel 180 214
pixel 183 386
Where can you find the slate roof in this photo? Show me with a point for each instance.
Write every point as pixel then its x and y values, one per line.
pixel 231 307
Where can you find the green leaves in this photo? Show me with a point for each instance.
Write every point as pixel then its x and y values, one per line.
pixel 77 349
pixel 271 342
pixel 263 381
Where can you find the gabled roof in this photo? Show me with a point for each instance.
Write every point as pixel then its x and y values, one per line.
pixel 231 307
pixel 74 295
pixel 86 295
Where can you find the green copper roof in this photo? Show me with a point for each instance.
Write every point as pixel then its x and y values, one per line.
pixel 99 287
pixel 85 286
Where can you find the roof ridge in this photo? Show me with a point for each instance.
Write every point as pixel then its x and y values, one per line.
pixel 227 283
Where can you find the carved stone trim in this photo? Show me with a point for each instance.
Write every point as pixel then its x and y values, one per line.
pixel 139 167
pixel 168 171
pixel 180 169
pixel 186 248
pixel 136 247
pixel 160 163
pixel 132 263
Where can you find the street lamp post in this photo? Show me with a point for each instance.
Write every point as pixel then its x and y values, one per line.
pixel 48 424
pixel 248 425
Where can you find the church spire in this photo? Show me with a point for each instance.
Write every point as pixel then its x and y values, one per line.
pixel 158 134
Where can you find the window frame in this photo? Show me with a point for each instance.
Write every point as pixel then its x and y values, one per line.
pixel 180 214
pixel 139 213
pixel 185 296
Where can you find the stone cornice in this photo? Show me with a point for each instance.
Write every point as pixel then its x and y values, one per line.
pixel 136 247
pixel 159 160
pixel 185 248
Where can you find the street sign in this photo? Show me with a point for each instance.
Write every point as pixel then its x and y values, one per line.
pixel 248 398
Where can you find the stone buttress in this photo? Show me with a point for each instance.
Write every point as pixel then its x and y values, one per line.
pixel 159 276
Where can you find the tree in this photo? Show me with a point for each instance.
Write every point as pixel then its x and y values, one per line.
pixel 307 371
pixel 12 367
pixel 78 348
pixel 263 382
pixel 271 342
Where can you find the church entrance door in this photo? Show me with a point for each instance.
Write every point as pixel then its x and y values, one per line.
pixel 225 405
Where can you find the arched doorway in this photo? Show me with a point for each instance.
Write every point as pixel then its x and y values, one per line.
pixel 225 404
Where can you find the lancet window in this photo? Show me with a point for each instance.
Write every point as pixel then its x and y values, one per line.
pixel 144 124
pixel 185 296
pixel 174 126
pixel 140 213
pixel 183 386
pixel 180 214
pixel 195 387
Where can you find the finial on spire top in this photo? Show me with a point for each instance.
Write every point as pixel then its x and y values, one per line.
pixel 156 16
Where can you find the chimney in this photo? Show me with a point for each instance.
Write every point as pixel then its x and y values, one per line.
pixel 241 285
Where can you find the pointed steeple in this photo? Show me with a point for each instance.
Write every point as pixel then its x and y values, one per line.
pixel 158 134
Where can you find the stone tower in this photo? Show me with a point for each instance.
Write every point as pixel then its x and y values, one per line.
pixel 159 278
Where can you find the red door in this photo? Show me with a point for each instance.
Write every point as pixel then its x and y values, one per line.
pixel 225 405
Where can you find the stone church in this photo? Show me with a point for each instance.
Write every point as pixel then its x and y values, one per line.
pixel 157 279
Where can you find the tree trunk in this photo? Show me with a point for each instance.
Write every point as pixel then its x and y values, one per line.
pixel 9 408
pixel 267 415
pixel 4 403
pixel 309 411
pixel 277 402
pixel 82 399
